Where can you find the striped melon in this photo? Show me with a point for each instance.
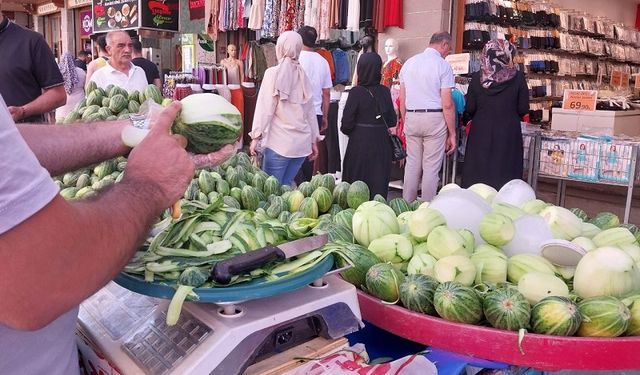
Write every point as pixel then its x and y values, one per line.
pixel 340 194
pixel 309 208
pixel 557 316
pixel 506 308
pixel 383 281
pixel 117 103
pixel 152 92
pixel 399 205
pixel 323 198
pixel 416 293
pixel 603 316
pixel 457 303
pixel 357 194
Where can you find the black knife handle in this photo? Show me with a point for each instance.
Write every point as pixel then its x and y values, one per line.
pixel 224 270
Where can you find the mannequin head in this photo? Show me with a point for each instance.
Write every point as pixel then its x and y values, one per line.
pixel 232 51
pixel 367 43
pixel 391 48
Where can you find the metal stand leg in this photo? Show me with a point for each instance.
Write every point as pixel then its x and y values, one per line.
pixel 563 192
pixel 632 179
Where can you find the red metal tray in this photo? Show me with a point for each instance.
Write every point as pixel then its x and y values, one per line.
pixel 542 352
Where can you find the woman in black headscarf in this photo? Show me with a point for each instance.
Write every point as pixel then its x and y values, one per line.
pixel 367 115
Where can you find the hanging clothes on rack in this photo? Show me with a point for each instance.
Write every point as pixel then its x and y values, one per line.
pixel 343 11
pixel 312 13
pixel 323 21
pixel 256 18
pixel 353 16
pixel 214 20
pixel 378 15
pixel 393 13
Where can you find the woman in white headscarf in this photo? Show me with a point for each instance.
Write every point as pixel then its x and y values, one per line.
pixel 74 79
pixel 285 122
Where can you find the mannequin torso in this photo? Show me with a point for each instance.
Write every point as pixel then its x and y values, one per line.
pixel 234 66
pixel 392 66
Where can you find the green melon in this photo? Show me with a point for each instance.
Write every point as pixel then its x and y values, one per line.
pixel 236 193
pixel 231 202
pixel 306 188
pixel 207 182
pixel 309 208
pixel 457 303
pixel 152 92
pixel 271 186
pixel 118 91
pixel 580 213
pixel 284 216
pixel 557 316
pixel 134 106
pixel 357 194
pixel 276 206
pixel 94 98
pixel 249 197
pixel 338 232
pixel 118 103
pixel 232 177
pixel 327 181
pixel 416 293
pixel 90 110
pixel 506 308
pixel 323 198
pixel 134 95
pixel 295 200
pixel 315 181
pixel 399 206
pixel 383 281
pixel 334 209
pixel 340 194
pixel 258 181
pixel 379 198
pixel 362 260
pixel 605 220
pixel 90 86
pixel 633 303
pixel 603 316
pixel 415 204
pixel 345 217
pixel 222 187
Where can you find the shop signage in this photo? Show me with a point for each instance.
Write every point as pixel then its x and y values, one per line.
pixel 160 14
pixel 47 8
pixel 86 23
pixel 459 62
pixel 196 9
pixel 580 100
pixel 77 3
pixel 619 79
pixel 115 14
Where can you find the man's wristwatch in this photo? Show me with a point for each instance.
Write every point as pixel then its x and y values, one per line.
pixel 140 121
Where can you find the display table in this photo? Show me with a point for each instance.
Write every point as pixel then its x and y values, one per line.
pixel 598 122
pixel 541 352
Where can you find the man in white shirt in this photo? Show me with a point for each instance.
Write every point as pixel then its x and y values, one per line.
pixel 317 69
pixel 428 111
pixel 119 70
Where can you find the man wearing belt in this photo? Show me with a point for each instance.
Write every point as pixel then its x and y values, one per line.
pixel 427 108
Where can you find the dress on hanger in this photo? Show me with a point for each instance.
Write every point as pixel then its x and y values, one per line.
pixel 257 14
pixel 353 17
pixel 393 13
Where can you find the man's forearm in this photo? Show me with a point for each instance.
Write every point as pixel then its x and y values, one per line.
pixel 450 120
pixel 326 101
pixel 83 244
pixel 50 99
pixel 66 148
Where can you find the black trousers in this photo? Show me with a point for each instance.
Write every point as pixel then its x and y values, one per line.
pixel 306 171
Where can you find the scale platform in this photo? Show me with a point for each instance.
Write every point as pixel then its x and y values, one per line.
pixel 129 329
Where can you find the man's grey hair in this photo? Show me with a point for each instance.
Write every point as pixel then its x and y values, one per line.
pixel 440 37
pixel 111 34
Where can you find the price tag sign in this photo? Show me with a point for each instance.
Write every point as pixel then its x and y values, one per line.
pixel 580 100
pixel 616 78
pixel 459 62
pixel 625 80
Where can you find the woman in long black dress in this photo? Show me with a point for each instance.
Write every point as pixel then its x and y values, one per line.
pixel 498 97
pixel 367 115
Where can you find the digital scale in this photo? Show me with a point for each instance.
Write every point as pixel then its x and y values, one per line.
pixel 224 337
